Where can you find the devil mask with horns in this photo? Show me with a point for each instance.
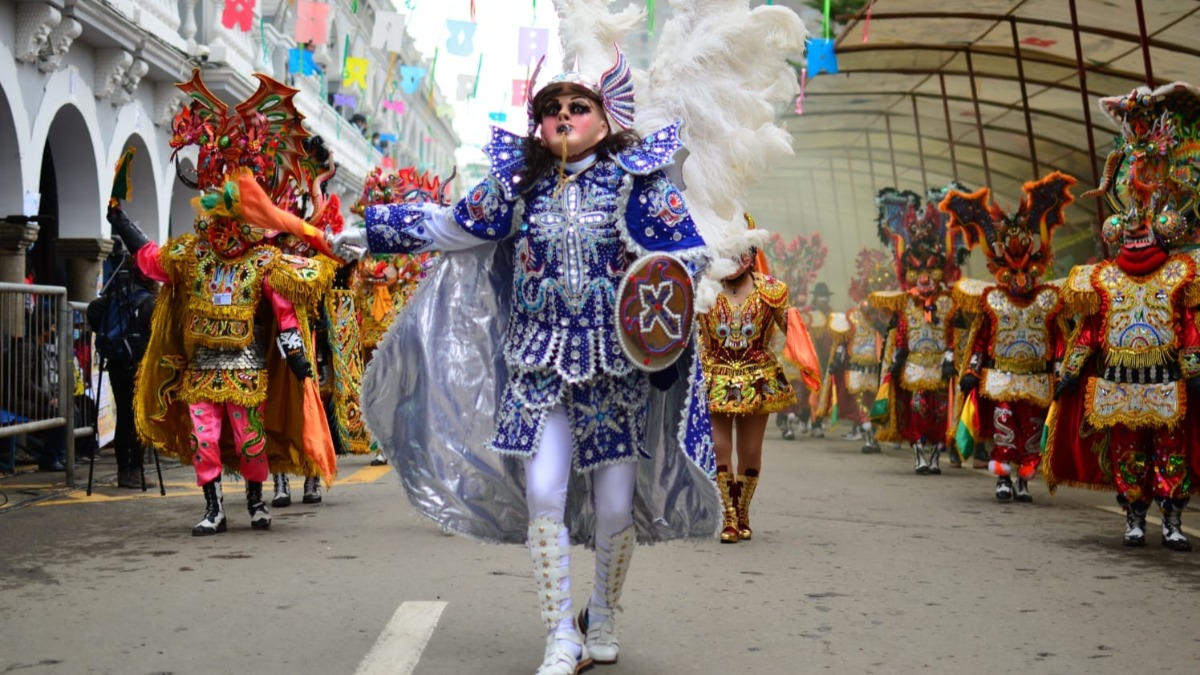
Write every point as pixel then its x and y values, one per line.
pixel 927 255
pixel 262 135
pixel 1017 247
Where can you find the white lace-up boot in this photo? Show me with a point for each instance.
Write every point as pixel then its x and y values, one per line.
pixel 549 547
pixel 599 620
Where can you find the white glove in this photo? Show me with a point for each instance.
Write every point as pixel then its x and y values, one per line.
pixel 350 243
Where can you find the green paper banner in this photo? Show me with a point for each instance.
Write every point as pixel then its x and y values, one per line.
pixel 478 70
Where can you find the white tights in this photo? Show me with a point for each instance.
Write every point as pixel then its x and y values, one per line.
pixel 547 474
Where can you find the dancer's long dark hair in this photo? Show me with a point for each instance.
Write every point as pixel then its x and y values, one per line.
pixel 540 160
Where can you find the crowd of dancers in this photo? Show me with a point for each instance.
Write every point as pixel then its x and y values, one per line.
pixel 574 353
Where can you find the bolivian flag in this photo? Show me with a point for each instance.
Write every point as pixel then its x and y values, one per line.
pixel 879 409
pixel 966 436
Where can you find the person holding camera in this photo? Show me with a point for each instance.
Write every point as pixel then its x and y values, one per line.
pixel 120 318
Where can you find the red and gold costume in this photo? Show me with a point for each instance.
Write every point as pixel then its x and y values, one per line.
pixel 211 363
pixel 922 358
pixel 383 283
pixel 797 261
pixel 1018 337
pixel 1122 419
pixel 858 342
pixel 744 377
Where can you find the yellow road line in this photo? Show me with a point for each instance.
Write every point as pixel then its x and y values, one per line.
pixel 367 474
pixel 82 497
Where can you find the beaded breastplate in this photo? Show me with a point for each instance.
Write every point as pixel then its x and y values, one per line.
pixel 742 334
pixel 223 296
pixel 1139 326
pixel 569 261
pixel 863 343
pixel 1021 336
pixel 927 338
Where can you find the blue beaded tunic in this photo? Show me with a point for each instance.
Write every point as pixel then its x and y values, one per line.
pixel 572 243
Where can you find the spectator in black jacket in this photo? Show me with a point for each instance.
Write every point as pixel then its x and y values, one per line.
pixel 120 319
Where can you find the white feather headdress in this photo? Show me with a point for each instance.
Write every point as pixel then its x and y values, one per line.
pixel 722 68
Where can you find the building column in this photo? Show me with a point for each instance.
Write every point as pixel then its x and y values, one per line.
pixel 15 240
pixel 85 262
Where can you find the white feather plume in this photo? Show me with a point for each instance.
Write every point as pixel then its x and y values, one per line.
pixel 588 31
pixel 721 68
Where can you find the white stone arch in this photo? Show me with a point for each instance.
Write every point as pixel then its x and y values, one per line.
pixel 77 151
pixel 148 207
pixel 180 214
pixel 145 207
pixel 14 138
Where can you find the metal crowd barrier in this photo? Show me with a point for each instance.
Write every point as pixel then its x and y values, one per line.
pixel 37 375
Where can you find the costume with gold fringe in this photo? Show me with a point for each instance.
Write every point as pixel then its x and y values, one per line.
pixel 214 330
pixel 927 258
pixel 1122 419
pixel 1017 339
pixel 384 283
pixel 183 321
pixel 735 350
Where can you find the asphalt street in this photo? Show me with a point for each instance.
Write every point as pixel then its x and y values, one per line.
pixel 857 566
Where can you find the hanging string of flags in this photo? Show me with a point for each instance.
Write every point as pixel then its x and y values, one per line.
pixel 312 29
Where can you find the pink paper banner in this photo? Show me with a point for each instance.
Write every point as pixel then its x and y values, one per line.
pixel 518 92
pixel 239 14
pixel 312 22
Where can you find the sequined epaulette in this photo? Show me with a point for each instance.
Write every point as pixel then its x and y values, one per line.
pixel 891 301
pixel 507 152
pixel 656 151
pixel 839 324
pixel 968 295
pixel 1191 291
pixel 1079 295
pixel 774 292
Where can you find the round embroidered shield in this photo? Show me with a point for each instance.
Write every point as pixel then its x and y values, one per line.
pixel 654 311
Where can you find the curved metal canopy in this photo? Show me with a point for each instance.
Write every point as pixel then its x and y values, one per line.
pixel 987 92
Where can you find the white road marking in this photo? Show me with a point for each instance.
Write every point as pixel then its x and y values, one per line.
pixel 399 646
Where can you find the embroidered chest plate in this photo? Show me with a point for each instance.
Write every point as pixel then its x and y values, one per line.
pixel 1139 326
pixel 228 283
pixel 224 295
pixel 927 338
pixel 864 348
pixel 1021 333
pixel 569 260
pixel 738 334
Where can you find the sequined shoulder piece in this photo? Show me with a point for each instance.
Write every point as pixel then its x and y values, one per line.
pixel 774 292
pixel 1079 293
pixel 177 255
pixel 507 152
pixel 656 151
pixel 300 280
pixel 1191 287
pixel 839 323
pixel 891 301
pixel 968 294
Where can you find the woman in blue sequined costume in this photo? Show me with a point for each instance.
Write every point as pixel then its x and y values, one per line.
pixel 567 208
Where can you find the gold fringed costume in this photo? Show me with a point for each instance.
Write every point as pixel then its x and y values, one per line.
pixel 186 320
pixel 383 285
pixel 345 343
pixel 744 377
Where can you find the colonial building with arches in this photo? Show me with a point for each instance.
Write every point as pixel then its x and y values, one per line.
pixel 81 80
